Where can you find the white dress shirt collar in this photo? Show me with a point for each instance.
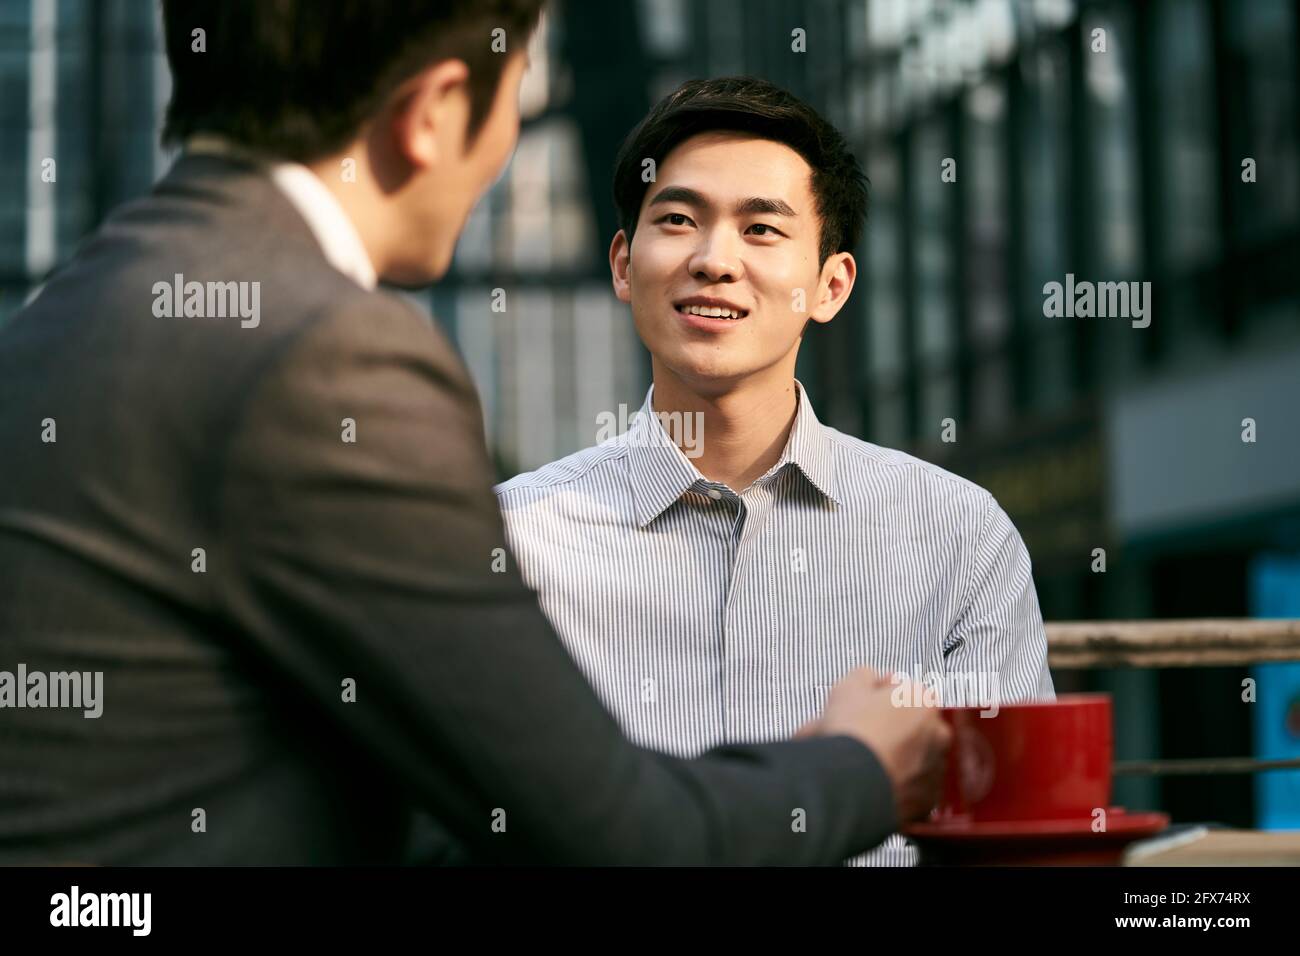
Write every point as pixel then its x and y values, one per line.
pixel 329 223
pixel 661 473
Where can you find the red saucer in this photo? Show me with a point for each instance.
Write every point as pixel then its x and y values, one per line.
pixel 1119 822
pixel 1033 842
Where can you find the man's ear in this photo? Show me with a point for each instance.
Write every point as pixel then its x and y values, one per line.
pixel 620 264
pixel 838 273
pixel 430 113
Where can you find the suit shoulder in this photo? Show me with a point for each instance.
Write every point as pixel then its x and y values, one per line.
pixel 361 339
pixel 375 318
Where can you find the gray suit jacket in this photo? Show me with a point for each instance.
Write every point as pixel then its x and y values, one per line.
pixel 302 639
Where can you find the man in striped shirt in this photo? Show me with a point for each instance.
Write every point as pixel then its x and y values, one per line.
pixel 715 569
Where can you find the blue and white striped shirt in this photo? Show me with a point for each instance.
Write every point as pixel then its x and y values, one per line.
pixel 702 616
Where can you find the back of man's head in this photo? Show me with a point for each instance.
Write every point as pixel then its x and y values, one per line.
pixel 298 79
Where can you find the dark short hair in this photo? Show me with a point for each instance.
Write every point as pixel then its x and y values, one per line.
pixel 299 78
pixel 749 105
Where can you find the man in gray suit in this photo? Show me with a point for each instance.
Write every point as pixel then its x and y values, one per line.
pixel 248 611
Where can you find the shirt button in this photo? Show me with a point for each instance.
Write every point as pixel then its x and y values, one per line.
pixel 715 494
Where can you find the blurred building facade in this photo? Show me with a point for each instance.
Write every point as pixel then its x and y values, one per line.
pixel 1010 144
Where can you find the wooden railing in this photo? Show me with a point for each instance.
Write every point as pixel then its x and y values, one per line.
pixel 1192 643
pixel 1075 645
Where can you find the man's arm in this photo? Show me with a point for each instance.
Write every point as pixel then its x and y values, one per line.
pixel 1001 627
pixel 372 561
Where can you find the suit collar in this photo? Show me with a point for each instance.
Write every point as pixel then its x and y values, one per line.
pixel 334 232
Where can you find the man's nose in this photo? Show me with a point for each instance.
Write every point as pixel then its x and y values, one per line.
pixel 716 258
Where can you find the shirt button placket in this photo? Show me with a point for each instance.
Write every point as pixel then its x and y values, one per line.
pixel 733 656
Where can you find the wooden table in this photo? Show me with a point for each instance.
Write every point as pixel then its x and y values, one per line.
pixel 1203 847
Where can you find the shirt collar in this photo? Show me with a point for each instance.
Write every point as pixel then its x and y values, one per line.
pixel 661 473
pixel 811 449
pixel 329 223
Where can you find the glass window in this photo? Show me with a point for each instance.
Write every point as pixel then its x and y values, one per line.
pixel 1053 14
pixel 526 348
pixel 540 79
pixel 26 57
pixel 550 217
pixel 856 27
pixel 1262 39
pixel 1112 144
pixel 938 401
pixel 724 47
pixel 125 83
pixel 530 201
pixel 665 26
pixel 1044 147
pixel 993 398
pixel 986 252
pixel 886 23
pixel 883 269
pixel 995 23
pixel 1050 359
pixel 1185 112
pixel 986 245
pixel 1045 142
pixel 932 216
pixel 888 419
pixel 599 323
pixel 474 248
pixel 468 311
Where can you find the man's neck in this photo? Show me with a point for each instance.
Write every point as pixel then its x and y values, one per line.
pixel 745 429
pixel 350 200
pixel 358 200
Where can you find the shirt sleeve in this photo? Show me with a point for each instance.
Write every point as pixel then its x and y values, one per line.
pixel 999 640
pixel 364 558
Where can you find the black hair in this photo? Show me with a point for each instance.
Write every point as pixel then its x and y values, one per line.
pixel 298 78
pixel 750 105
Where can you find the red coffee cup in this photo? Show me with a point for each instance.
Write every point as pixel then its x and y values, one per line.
pixel 1047 760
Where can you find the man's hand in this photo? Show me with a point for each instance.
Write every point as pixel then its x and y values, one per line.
pixel 910 742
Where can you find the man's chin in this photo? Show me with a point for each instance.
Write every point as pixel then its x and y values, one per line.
pixel 415 276
pixel 710 378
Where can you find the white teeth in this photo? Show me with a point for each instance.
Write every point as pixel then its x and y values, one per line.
pixel 712 312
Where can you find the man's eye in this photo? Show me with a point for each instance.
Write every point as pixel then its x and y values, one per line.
pixel 676 219
pixel 766 229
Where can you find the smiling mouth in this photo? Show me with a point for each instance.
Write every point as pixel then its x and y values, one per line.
pixel 712 312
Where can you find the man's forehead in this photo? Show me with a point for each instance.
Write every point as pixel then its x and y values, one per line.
pixel 724 166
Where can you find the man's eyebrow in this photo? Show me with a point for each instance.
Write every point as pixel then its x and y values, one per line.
pixel 746 207
pixel 681 194
pixel 760 205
